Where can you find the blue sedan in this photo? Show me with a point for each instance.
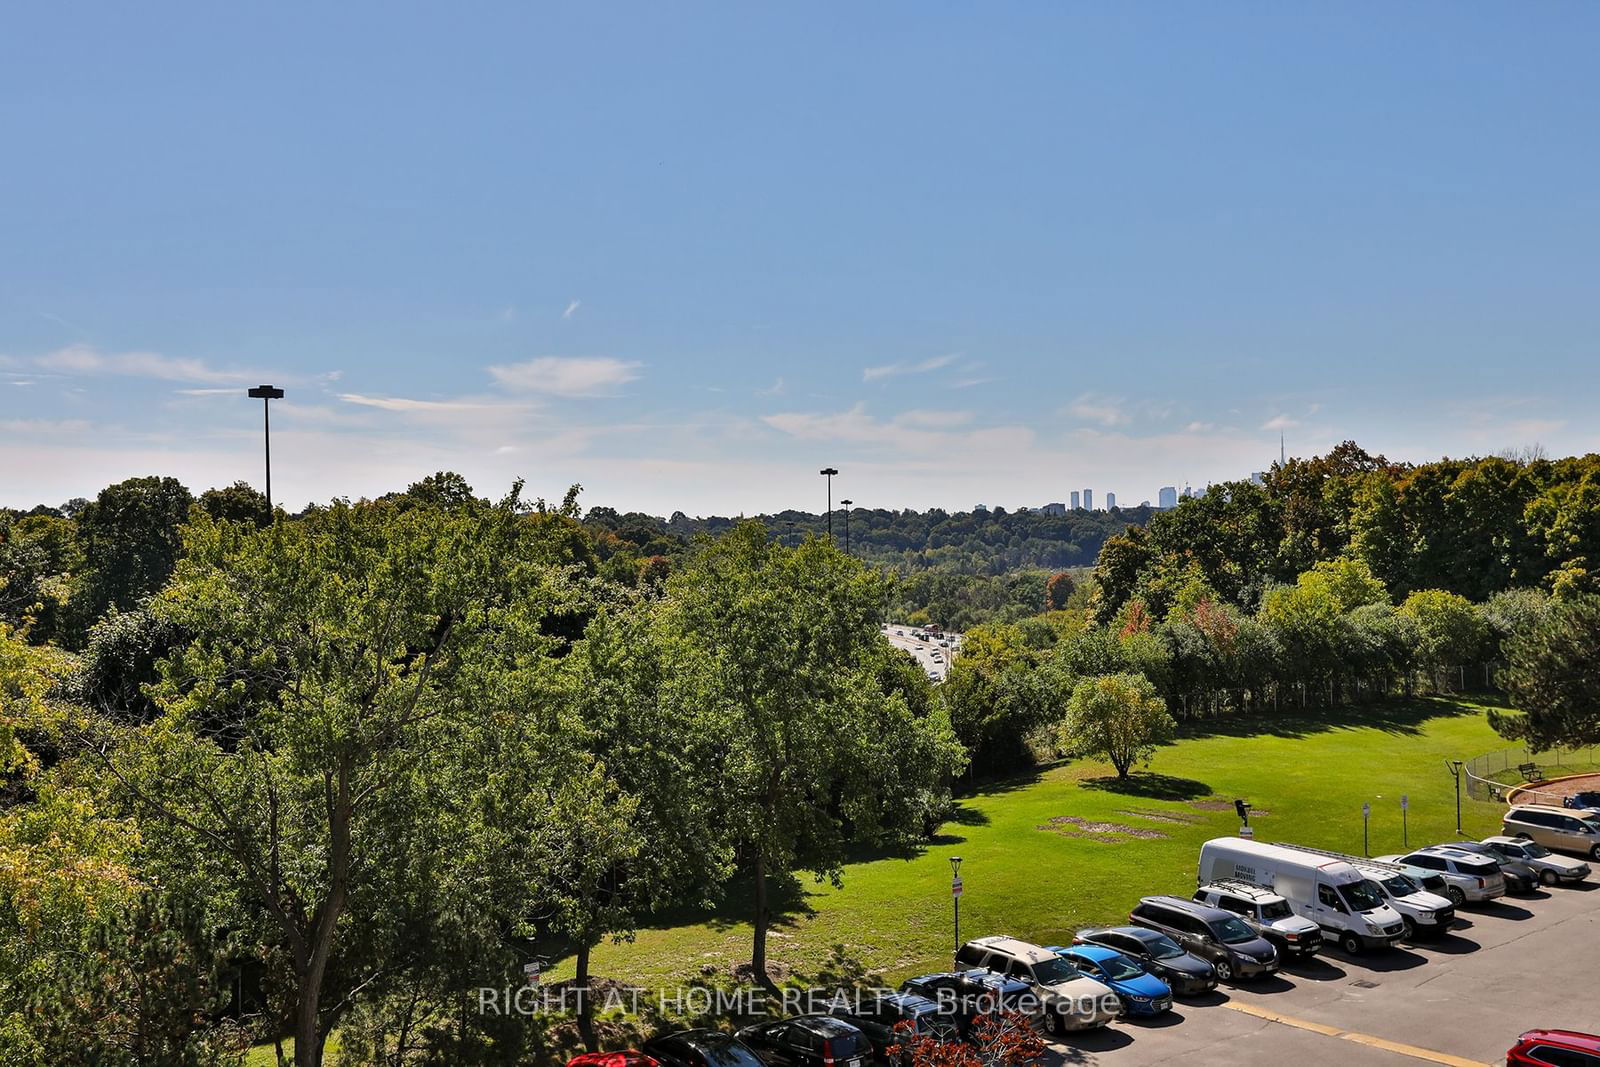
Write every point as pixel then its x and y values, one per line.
pixel 1141 992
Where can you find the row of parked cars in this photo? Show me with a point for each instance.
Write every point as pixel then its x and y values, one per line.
pixel 1257 905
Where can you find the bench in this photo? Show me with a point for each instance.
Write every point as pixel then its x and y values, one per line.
pixel 1529 771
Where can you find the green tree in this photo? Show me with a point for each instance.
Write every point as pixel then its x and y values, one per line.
pixel 1450 629
pixel 239 502
pixel 1117 716
pixel 1058 591
pixel 781 648
pixel 130 536
pixel 1552 676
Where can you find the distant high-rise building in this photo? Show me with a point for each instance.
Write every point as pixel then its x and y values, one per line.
pixel 1075 504
pixel 1111 501
pixel 1088 500
pixel 1144 503
pixel 1054 509
pixel 1168 497
pixel 1259 477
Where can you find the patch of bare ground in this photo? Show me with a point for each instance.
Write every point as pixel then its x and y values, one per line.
pixel 1110 833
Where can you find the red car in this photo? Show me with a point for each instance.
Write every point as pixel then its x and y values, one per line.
pixel 1554 1048
pixel 625 1058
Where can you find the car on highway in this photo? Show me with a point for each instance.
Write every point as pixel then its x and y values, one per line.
pixel 1569 831
pixel 808 1041
pixel 1187 974
pixel 916 1016
pixel 1141 992
pixel 1265 912
pixel 1072 999
pixel 1216 936
pixel 1467 878
pixel 1554 1048
pixel 1521 879
pixel 1551 867
pixel 701 1048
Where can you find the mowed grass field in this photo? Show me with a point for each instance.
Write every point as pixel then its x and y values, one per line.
pixel 1030 872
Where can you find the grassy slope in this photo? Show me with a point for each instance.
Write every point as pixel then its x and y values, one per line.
pixel 1312 774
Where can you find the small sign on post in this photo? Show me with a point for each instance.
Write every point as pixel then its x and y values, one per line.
pixel 1405 835
pixel 1366 844
pixel 955 887
pixel 1246 830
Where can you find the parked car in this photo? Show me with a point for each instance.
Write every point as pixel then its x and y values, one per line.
pixel 962 996
pixel 1467 878
pixel 1329 892
pixel 1551 867
pixel 1186 973
pixel 1521 879
pixel 877 1018
pixel 626 1058
pixel 1569 831
pixel 808 1041
pixel 1141 992
pixel 1267 913
pixel 1425 913
pixel 1589 800
pixel 1562 1048
pixel 1216 936
pixel 1072 1000
pixel 701 1048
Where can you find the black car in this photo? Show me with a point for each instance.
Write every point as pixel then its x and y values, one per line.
pixel 1521 879
pixel 808 1041
pixel 1219 937
pixel 1589 799
pixel 960 997
pixel 1186 973
pixel 701 1048
pixel 878 1018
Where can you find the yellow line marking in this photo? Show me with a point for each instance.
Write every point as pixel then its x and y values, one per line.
pixel 1350 1035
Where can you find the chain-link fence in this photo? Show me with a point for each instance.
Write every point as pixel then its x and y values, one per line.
pixel 1492 775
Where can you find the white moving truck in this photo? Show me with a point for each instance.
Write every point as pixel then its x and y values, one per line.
pixel 1329 892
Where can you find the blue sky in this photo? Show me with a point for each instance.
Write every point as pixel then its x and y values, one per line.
pixel 688 254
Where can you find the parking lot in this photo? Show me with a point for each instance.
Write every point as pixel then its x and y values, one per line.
pixel 1516 964
pixel 925 649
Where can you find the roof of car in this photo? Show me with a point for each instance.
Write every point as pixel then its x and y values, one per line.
pixel 826 1025
pixel 1005 984
pixel 1089 952
pixel 1011 946
pixel 908 1000
pixel 1238 888
pixel 1193 907
pixel 1143 933
pixel 1565 1037
pixel 1538 807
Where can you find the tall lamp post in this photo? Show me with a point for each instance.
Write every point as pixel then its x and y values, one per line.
pixel 1455 766
pixel 955 894
pixel 828 473
pixel 267 394
pixel 846 505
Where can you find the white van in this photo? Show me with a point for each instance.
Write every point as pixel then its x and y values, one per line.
pixel 1329 892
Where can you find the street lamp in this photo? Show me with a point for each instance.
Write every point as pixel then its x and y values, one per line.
pixel 846 505
pixel 955 894
pixel 1455 772
pixel 267 394
pixel 828 473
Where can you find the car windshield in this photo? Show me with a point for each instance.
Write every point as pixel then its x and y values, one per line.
pixel 1361 896
pixel 722 1051
pixel 1163 947
pixel 1537 852
pixel 1052 971
pixel 1592 824
pixel 1120 968
pixel 1278 909
pixel 1398 885
pixel 1234 932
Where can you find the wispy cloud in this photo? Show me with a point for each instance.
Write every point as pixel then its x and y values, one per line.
pixel 403 403
pixel 910 432
pixel 572 309
pixel 777 388
pixel 1105 410
pixel 84 360
pixel 891 370
pixel 1200 427
pixel 1279 423
pixel 44 427
pixel 566 376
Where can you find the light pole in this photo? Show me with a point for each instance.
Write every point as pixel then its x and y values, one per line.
pixel 828 473
pixel 846 505
pixel 267 394
pixel 1455 772
pixel 955 894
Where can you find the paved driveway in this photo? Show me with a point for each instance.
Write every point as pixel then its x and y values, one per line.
pixel 1520 963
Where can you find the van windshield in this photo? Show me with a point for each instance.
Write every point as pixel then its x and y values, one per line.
pixel 1593 825
pixel 1233 932
pixel 1361 896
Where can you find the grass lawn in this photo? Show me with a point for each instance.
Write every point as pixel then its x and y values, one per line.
pixel 1041 880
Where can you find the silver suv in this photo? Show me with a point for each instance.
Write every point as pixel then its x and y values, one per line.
pixel 1071 999
pixel 1568 830
pixel 1265 912
pixel 1467 877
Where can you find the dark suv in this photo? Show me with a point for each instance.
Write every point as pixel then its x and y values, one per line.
pixel 808 1041
pixel 1216 936
pixel 878 1016
pixel 700 1048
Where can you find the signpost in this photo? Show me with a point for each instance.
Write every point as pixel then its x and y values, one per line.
pixel 1405 837
pixel 955 895
pixel 1366 813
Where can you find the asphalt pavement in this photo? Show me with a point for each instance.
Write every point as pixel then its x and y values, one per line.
pixel 925 648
